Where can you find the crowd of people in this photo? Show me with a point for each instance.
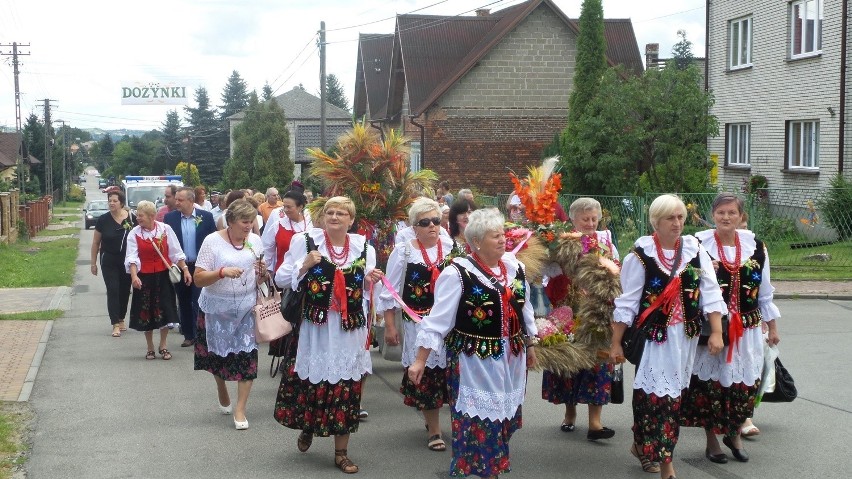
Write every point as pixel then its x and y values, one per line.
pixel 460 306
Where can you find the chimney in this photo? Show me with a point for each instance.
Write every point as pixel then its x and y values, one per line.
pixel 483 12
pixel 652 54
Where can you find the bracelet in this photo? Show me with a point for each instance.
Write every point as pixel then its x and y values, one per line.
pixel 222 272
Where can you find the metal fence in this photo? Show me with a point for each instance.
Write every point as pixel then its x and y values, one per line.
pixel 797 230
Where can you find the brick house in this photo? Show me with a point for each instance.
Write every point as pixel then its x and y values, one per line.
pixel 478 95
pixel 776 69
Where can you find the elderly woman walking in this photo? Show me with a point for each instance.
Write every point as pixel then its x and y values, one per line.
pixel 320 392
pixel 228 269
pixel 723 386
pixel 668 283
pixel 154 304
pixel 413 268
pixel 482 314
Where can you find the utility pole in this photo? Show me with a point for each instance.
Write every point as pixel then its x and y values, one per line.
pixel 322 85
pixel 62 188
pixel 48 151
pixel 15 63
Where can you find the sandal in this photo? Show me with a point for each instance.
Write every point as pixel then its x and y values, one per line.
pixel 150 355
pixel 116 331
pixel 303 443
pixel 647 464
pixel 436 443
pixel 165 354
pixel 749 431
pixel 122 326
pixel 344 464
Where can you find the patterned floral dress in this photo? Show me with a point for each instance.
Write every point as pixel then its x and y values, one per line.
pixel 320 391
pixel 663 374
pixel 408 273
pixel 154 305
pixel 225 345
pixel 589 386
pixel 486 373
pixel 722 392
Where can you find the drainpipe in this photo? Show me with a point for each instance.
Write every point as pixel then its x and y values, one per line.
pixel 707 46
pixel 842 110
pixel 422 140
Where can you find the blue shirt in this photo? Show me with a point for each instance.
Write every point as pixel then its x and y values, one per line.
pixel 187 228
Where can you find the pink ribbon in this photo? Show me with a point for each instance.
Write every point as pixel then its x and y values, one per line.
pixel 411 314
pixel 522 243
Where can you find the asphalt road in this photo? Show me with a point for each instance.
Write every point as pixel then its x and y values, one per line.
pixel 103 411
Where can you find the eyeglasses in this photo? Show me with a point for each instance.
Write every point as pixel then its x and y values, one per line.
pixel 337 213
pixel 424 223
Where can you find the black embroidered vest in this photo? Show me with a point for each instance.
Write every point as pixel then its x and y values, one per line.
pixel 751 274
pixel 656 324
pixel 480 317
pixel 319 281
pixel 417 284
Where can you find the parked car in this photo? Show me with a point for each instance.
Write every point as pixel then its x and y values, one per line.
pixel 93 211
pixel 102 183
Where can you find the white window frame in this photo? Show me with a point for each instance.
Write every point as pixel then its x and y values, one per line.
pixel 415 157
pixel 815 33
pixel 744 26
pixel 803 144
pixel 738 137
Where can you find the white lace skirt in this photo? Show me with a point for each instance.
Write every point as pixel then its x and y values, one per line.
pixel 746 363
pixel 328 353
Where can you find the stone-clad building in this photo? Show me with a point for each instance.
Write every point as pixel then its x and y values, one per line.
pixel 478 95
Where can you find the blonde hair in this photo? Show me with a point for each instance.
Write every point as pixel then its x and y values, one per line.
pixel 259 197
pixel 581 205
pixel 240 210
pixel 341 202
pixel 147 208
pixel 422 205
pixel 665 205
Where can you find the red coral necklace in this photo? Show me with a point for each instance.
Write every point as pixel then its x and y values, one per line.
pixel 667 263
pixel 338 259
pixel 501 278
pixel 438 259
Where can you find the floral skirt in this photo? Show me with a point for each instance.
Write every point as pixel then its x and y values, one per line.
pixel 589 386
pixel 241 366
pixel 711 406
pixel 656 424
pixel 323 409
pixel 480 446
pixel 431 393
pixel 154 305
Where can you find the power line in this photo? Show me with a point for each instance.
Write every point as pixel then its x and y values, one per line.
pixel 310 41
pixel 295 71
pixel 670 14
pixel 384 19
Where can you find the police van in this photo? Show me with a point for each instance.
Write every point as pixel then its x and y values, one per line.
pixel 151 188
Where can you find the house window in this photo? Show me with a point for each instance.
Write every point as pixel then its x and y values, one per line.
pixel 739 33
pixel 803 144
pixel 416 163
pixel 805 28
pixel 739 144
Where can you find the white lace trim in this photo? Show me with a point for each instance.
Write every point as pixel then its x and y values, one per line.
pixel 333 366
pixel 489 405
pixel 746 363
pixel 667 368
pixel 437 358
pixel 769 312
pixel 429 340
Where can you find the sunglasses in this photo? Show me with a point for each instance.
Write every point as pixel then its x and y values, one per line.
pixel 424 223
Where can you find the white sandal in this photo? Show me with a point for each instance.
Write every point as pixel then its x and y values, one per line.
pixel 749 431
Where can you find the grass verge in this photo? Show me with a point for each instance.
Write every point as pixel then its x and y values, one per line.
pixel 63 231
pixel 33 315
pixel 38 264
pixel 789 264
pixel 15 421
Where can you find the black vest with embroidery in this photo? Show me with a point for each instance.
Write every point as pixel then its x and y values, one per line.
pixel 656 324
pixel 751 274
pixel 319 281
pixel 417 284
pixel 480 317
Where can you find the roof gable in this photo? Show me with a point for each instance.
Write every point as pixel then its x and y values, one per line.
pixel 372 75
pixel 10 144
pixel 301 105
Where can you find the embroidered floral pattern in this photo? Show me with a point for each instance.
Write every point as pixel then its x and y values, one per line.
pixel 709 405
pixel 476 307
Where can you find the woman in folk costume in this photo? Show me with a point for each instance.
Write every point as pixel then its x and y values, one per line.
pixel 282 224
pixel 413 268
pixel 320 392
pixel 480 309
pixel 589 386
pixel 667 283
pixel 723 387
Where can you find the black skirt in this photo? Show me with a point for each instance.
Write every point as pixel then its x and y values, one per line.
pixel 154 305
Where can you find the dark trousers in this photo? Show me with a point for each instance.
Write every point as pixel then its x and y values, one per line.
pixel 118 286
pixel 187 297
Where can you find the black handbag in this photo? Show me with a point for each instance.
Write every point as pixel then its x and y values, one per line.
pixel 706 330
pixel 617 394
pixel 785 387
pixel 633 340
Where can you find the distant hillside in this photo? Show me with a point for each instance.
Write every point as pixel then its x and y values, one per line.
pixel 99 134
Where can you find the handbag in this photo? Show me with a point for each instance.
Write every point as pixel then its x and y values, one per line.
pixel 617 394
pixel 785 387
pixel 635 336
pixel 175 274
pixel 269 323
pixel 706 330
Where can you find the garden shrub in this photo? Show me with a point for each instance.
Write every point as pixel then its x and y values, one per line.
pixel 835 206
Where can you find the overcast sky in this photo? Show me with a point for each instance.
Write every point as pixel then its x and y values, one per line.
pixel 82 51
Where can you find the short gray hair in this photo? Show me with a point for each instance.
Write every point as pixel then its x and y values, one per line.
pixel 422 205
pixel 581 205
pixel 146 208
pixel 190 192
pixel 269 191
pixel 464 192
pixel 483 221
pixel 663 206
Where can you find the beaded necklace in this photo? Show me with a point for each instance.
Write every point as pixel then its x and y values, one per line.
pixel 501 278
pixel 430 265
pixel 731 267
pixel 339 259
pixel 667 263
pixel 231 242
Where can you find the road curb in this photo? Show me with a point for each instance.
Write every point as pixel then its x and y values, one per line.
pixel 27 388
pixel 838 297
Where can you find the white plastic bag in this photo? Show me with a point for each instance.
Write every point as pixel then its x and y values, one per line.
pixel 767 378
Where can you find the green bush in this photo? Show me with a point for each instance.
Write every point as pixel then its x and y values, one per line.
pixel 77 193
pixel 835 206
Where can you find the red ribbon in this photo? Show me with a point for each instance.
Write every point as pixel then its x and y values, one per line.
pixel 511 315
pixel 735 332
pixel 340 299
pixel 435 273
pixel 665 301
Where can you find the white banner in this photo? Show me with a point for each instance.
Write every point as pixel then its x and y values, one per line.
pixel 154 93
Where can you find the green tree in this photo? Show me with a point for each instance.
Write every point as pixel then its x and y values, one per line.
pixel 102 153
pixel 189 173
pixel 234 96
pixel 204 146
pixel 261 149
pixel 267 92
pixel 34 145
pixel 682 52
pixel 334 93
pixel 173 139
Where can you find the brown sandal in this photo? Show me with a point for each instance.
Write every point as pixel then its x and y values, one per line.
pixel 344 464
pixel 150 355
pixel 165 354
pixel 647 464
pixel 436 443
pixel 303 443
pixel 116 331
